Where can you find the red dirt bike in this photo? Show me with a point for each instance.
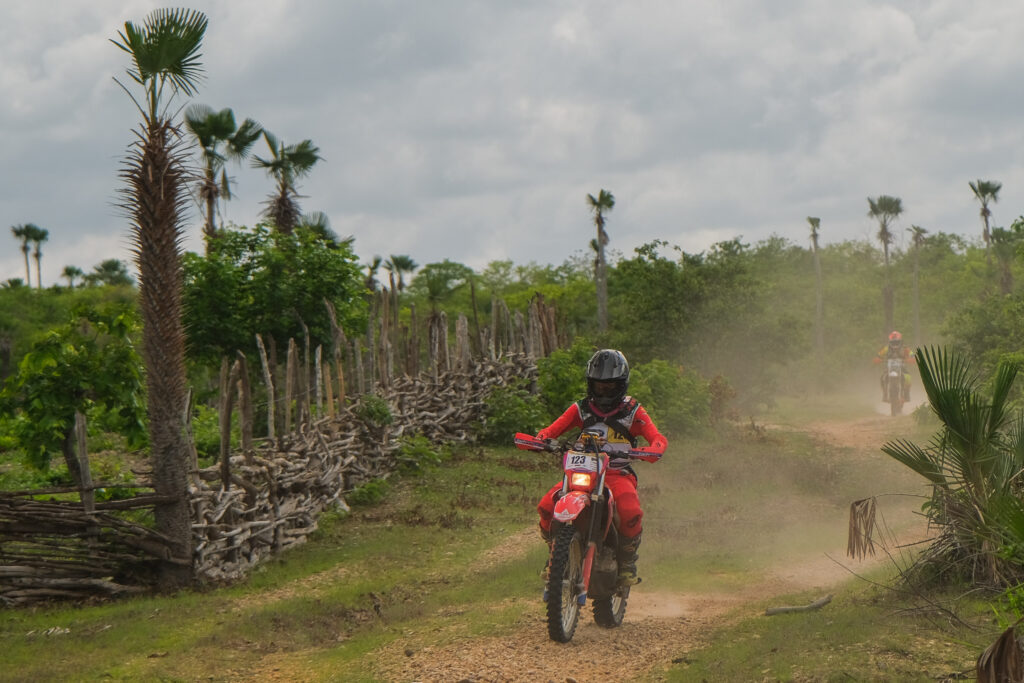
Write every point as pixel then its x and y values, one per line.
pixel 583 563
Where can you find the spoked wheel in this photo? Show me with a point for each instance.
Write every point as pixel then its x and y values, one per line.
pixel 564 585
pixel 608 612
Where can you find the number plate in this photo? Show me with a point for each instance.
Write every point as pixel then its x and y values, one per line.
pixel 581 462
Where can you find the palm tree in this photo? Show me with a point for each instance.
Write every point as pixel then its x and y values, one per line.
pixel 38 235
pixel 372 267
pixel 164 54
pixel 286 164
pixel 986 191
pixel 885 210
pixel 23 232
pixel 819 298
pixel 398 265
pixel 71 272
pixel 219 140
pixel 974 467
pixel 600 205
pixel 917 238
pixel 110 271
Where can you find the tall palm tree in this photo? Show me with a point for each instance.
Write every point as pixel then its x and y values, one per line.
pixel 23 232
pixel 38 235
pixel 819 297
pixel 399 265
pixel 986 191
pixel 286 164
pixel 71 272
pixel 917 239
pixel 600 205
pixel 164 54
pixel 220 140
pixel 885 210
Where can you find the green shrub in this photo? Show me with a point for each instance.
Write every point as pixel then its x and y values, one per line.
pixel 677 400
pixel 206 431
pixel 562 376
pixel 370 493
pixel 417 453
pixel 374 411
pixel 511 409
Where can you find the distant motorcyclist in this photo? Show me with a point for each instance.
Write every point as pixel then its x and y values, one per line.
pixel 622 419
pixel 895 349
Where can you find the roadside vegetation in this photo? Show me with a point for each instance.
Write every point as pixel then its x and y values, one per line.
pixel 734 351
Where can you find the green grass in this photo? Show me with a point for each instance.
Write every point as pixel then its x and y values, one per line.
pixel 719 511
pixel 864 634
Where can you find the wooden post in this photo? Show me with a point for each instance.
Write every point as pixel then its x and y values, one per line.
pixel 304 384
pixel 268 378
pixel 493 343
pixel 289 384
pixel 357 355
pixel 318 377
pixel 88 495
pixel 414 344
pixel 245 406
pixel 328 384
pixel 227 393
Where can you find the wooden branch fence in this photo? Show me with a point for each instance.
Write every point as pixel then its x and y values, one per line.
pixel 267 496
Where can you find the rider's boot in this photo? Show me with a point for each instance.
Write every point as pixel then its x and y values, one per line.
pixel 626 555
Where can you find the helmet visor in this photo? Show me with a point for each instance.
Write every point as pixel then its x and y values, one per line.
pixel 606 389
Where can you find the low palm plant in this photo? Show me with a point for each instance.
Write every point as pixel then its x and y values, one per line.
pixel 974 465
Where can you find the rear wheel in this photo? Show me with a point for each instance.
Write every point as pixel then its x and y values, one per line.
pixel 564 584
pixel 608 612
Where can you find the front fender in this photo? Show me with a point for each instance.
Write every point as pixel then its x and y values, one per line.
pixel 570 506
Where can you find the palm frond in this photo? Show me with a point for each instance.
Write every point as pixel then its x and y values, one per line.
pixel 1002 660
pixel 859 542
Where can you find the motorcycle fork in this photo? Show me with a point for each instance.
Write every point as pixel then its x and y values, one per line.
pixel 595 519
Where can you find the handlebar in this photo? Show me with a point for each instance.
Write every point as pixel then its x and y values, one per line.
pixel 528 442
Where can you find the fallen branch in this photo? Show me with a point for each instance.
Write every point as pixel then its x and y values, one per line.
pixel 817 604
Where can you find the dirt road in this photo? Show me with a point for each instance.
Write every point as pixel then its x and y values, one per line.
pixel 660 627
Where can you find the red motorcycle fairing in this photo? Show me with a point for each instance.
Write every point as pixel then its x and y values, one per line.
pixel 569 506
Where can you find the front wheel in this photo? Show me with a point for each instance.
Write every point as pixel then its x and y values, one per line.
pixel 564 583
pixel 608 612
pixel 895 398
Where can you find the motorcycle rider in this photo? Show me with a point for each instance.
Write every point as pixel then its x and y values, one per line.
pixel 895 349
pixel 622 419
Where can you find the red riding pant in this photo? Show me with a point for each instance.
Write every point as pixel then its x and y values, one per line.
pixel 627 503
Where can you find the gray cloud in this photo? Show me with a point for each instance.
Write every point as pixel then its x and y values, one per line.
pixel 474 131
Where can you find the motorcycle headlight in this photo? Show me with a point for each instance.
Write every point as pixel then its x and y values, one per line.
pixel 581 480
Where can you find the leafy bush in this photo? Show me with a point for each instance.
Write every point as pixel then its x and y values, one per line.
pixel 206 431
pixel 370 493
pixel 374 411
pixel 511 409
pixel 417 453
pixel 677 400
pixel 562 376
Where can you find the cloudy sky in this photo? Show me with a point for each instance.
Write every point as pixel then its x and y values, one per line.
pixel 473 130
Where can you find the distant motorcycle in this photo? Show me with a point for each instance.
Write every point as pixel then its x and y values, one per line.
pixel 583 562
pixel 894 385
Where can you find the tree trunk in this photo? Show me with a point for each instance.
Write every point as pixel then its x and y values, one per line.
pixel 156 197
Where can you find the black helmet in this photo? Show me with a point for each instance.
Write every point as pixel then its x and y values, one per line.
pixel 607 378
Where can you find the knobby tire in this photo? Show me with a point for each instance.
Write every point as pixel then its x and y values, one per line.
pixel 564 579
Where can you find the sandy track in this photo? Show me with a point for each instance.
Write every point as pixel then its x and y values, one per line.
pixel 659 629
